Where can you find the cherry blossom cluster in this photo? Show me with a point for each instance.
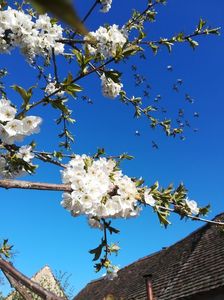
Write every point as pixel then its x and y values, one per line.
pixel 106 5
pixel 12 129
pixel 99 189
pixel 105 41
pixel 52 87
pixel 11 170
pixel 110 89
pixel 17 29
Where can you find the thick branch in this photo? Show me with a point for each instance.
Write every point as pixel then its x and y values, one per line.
pixel 20 184
pixel 6 267
pixel 19 288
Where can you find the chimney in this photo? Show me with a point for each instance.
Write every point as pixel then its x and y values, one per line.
pixel 148 283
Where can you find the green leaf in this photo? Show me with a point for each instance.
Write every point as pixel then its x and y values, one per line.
pixel 131 50
pixel 126 156
pixel 155 186
pixel 139 182
pixel 180 37
pixel 26 95
pixel 100 152
pixel 192 43
pixel 59 104
pixel 88 163
pixel 112 229
pixel 154 47
pixel 167 43
pixel 58 155
pixel 98 250
pixel 163 219
pixel 201 24
pixel 63 10
pixel 213 31
pixel 114 75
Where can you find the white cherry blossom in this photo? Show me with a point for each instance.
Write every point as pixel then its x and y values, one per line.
pixel 193 206
pixel 149 198
pixel 31 124
pixel 25 153
pixel 7 112
pixel 106 5
pixel 106 40
pixel 110 89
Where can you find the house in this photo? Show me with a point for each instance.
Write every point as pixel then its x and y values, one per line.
pixel 46 279
pixel 192 269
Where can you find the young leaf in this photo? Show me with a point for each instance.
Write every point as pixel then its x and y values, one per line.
pixel 98 250
pixel 26 95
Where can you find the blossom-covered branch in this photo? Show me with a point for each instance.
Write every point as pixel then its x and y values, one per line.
pixel 94 186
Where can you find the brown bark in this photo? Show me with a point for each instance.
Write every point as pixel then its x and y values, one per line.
pixel 8 268
pixel 20 184
pixel 18 287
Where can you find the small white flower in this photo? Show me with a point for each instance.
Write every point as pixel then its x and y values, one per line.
pixel 112 273
pixel 110 89
pixel 31 124
pixel 51 88
pixel 95 223
pixel 25 153
pixel 14 127
pixel 7 112
pixel 193 206
pixel 108 40
pixel 149 198
pixel 2 164
pixel 106 5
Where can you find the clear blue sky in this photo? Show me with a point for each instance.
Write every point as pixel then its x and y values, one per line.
pixel 41 231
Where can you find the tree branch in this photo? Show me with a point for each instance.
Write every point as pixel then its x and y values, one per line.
pixel 192 217
pixel 8 268
pixel 20 184
pixel 18 287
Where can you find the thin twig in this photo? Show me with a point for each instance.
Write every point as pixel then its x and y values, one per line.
pixel 81 76
pixel 185 38
pixel 52 154
pixel 192 217
pixel 87 14
pixel 55 66
pixel 48 159
pixel 105 239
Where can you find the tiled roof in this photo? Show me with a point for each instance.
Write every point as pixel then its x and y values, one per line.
pixel 193 265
